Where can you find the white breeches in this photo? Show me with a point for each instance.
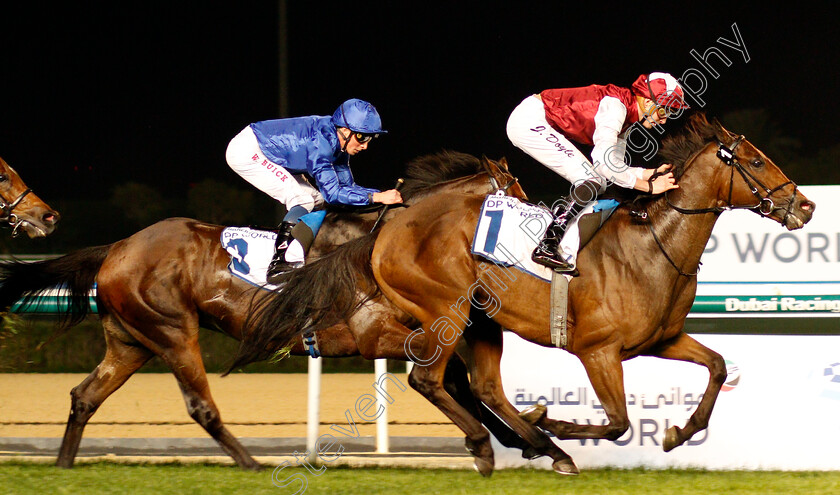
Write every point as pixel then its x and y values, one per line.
pixel 529 131
pixel 246 159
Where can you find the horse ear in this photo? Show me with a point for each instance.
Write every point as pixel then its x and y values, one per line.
pixel 504 164
pixel 721 133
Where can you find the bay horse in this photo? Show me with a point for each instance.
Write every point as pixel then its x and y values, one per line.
pixel 21 209
pixel 158 286
pixel 636 286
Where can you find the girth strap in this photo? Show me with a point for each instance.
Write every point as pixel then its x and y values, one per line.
pixel 559 309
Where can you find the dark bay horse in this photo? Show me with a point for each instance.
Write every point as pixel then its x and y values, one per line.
pixel 157 287
pixel 21 209
pixel 636 287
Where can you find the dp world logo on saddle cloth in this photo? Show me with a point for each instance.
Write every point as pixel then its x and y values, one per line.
pixel 250 252
pixel 508 231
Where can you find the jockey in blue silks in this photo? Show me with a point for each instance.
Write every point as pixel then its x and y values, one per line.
pixel 276 156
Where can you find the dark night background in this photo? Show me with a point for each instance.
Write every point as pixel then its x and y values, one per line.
pixel 92 98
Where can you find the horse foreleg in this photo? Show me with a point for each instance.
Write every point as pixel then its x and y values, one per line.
pixel 486 385
pixel 185 361
pixel 120 362
pixel 607 377
pixel 685 348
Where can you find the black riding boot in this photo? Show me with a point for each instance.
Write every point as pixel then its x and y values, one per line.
pixel 278 263
pixel 548 252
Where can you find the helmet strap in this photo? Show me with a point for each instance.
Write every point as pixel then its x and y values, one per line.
pixel 346 139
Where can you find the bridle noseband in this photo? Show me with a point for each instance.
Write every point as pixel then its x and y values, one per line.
pixel 6 209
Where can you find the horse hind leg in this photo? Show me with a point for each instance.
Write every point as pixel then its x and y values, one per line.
pixel 685 348
pixel 427 378
pixel 457 384
pixel 120 362
pixel 486 384
pixel 184 359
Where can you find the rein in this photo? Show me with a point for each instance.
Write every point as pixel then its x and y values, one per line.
pixel 494 183
pixel 6 209
pixel 764 207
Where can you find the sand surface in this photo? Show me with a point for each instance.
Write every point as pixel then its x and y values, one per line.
pixel 252 405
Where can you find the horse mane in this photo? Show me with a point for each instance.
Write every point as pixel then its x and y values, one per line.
pixel 425 172
pixel 678 148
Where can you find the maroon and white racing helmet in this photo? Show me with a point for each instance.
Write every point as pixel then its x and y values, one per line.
pixel 662 88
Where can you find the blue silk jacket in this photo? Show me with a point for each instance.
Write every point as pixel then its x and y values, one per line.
pixel 310 145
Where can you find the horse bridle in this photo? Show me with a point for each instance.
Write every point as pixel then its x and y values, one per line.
pixel 6 209
pixel 764 207
pixel 495 183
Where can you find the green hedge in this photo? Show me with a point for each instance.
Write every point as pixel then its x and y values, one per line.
pixel 82 348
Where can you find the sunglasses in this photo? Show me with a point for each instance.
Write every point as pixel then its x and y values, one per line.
pixel 363 138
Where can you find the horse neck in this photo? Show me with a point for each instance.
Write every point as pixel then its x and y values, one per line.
pixel 684 236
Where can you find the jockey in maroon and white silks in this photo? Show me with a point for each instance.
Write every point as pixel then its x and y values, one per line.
pixel 546 125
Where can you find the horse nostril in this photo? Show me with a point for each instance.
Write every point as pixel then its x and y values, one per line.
pixel 807 206
pixel 50 217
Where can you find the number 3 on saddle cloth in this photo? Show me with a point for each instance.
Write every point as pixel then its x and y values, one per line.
pixel 251 249
pixel 509 230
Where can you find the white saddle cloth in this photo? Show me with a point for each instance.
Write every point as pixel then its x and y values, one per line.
pixel 251 251
pixel 509 230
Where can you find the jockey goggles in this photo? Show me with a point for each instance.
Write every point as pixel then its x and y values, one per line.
pixel 663 111
pixel 363 138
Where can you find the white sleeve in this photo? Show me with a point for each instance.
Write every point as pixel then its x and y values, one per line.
pixel 609 149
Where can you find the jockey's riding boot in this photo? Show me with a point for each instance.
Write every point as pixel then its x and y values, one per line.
pixel 278 263
pixel 548 252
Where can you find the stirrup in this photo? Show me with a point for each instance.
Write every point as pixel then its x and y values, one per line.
pixel 552 260
pixel 278 266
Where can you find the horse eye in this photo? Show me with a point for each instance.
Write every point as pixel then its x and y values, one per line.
pixel 4 177
pixel 758 163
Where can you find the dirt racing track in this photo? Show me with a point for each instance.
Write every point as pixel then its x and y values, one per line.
pixel 146 420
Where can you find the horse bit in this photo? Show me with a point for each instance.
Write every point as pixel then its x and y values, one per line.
pixel 764 207
pixel 6 209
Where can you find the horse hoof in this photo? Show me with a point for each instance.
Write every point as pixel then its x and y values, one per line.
pixel 566 467
pixel 672 439
pixel 483 466
pixel 530 453
pixel 534 413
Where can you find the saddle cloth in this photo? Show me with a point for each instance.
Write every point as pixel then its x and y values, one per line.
pixel 509 230
pixel 251 251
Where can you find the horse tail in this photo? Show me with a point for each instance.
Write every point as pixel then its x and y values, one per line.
pixel 75 272
pixel 313 297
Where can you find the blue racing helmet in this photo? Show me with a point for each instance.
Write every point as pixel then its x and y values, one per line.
pixel 358 116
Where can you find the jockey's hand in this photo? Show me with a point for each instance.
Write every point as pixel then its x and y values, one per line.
pixel 388 197
pixel 663 183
